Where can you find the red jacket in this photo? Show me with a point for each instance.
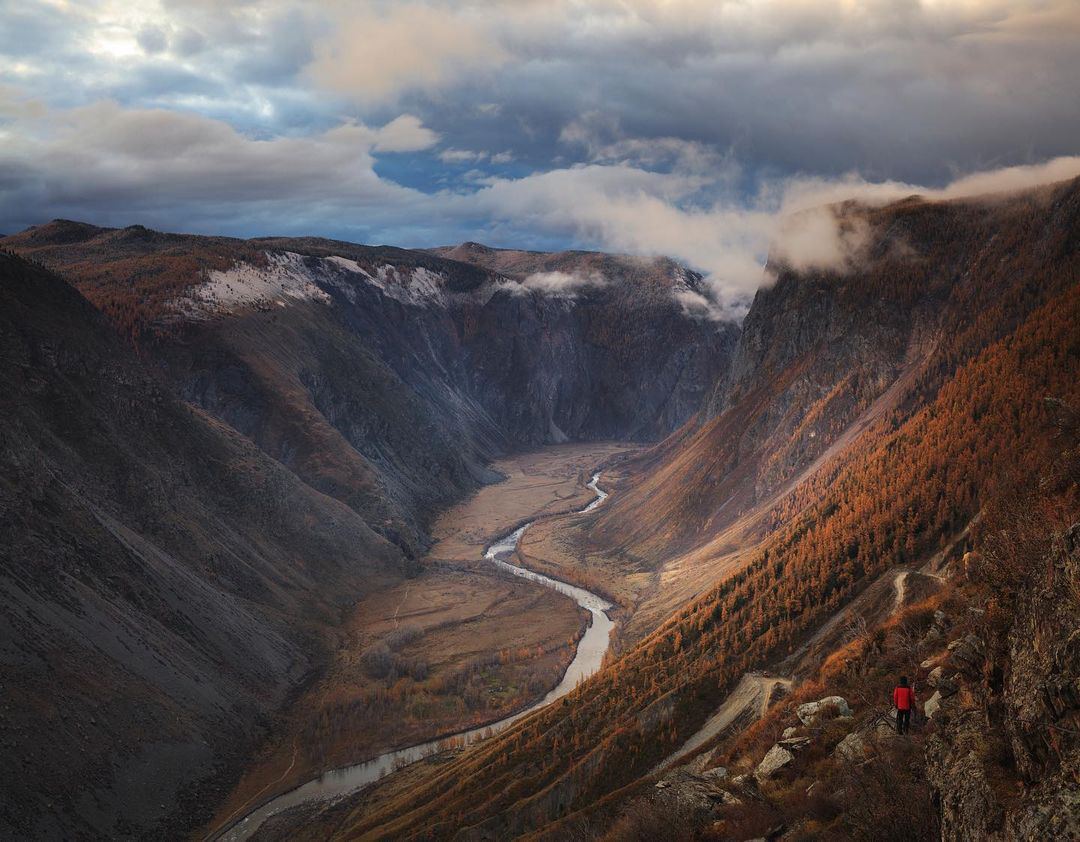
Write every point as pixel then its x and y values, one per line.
pixel 903 698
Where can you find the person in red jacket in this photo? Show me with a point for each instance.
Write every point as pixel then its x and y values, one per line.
pixel 904 699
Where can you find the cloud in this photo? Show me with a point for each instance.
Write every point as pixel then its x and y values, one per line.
pixel 563 284
pixel 1011 179
pixel 114 165
pixel 174 170
pixel 461 156
pixel 626 209
pixel 697 306
pixel 152 39
pixel 818 238
pixel 403 134
pixel 373 56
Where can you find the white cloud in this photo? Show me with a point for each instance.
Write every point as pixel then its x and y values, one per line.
pixel 404 134
pixel 461 156
pixel 110 165
pixel 563 284
pixel 630 210
pixel 375 55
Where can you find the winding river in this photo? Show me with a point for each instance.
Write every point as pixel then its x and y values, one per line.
pixel 587 659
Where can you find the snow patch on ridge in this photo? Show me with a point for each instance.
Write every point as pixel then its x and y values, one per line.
pixel 288 277
pixel 284 278
pixel 418 286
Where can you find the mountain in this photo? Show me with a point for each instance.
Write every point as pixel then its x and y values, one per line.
pixel 869 416
pixel 209 459
pixel 387 378
pixel 165 584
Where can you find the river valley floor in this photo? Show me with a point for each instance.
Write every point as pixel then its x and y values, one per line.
pixel 459 645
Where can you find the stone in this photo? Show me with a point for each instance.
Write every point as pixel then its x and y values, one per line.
pixel 936 674
pixel 949 686
pixel 830 706
pixel 663 784
pixel 718 773
pixel 789 732
pixel 933 705
pixel 968 648
pixel 774 760
pixel 885 729
pixel 940 619
pixel 851 747
pixel 794 743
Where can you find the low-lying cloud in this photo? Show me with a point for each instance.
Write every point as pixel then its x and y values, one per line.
pixel 563 284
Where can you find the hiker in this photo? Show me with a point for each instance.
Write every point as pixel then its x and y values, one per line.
pixel 904 699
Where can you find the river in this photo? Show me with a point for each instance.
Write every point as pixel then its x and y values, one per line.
pixel 587 659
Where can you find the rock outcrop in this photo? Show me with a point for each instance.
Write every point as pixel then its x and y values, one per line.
pixel 1031 703
pixel 775 759
pixel 830 707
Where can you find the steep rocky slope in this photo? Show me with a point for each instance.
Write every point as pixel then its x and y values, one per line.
pixel 845 451
pixel 163 584
pixel 992 651
pixel 826 359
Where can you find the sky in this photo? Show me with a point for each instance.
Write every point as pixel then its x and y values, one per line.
pixel 679 127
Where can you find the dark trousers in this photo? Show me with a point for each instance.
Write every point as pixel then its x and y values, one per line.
pixel 903 721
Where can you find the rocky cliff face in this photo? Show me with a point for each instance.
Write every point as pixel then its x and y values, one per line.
pixel 825 356
pixel 1004 758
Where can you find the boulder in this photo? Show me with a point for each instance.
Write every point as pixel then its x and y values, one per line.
pixel 936 674
pixel 933 705
pixel 789 732
pixel 718 773
pixel 949 686
pixel 967 650
pixel 828 707
pixel 850 748
pixel 885 729
pixel 774 760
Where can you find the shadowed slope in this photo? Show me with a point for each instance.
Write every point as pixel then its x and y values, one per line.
pixel 164 584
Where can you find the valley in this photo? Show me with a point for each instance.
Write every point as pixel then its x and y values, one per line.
pixel 464 644
pixel 461 616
